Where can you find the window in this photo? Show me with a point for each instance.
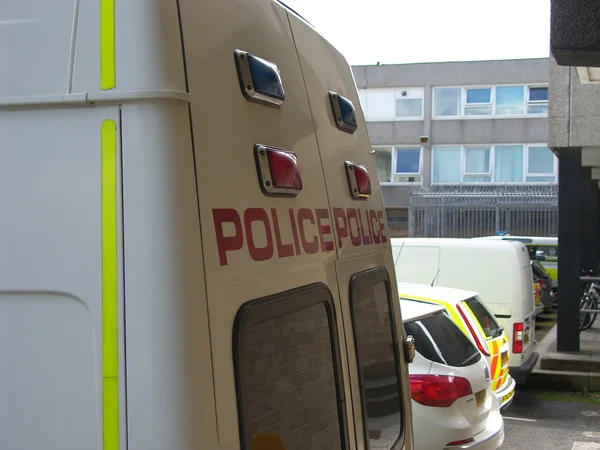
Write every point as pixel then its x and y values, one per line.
pixel 388 104
pixel 398 164
pixel 374 331
pixel 409 103
pixel 490 101
pixel 484 317
pixel 514 163
pixel 439 340
pixel 537 100
pixel 478 101
pixel 540 164
pixel 477 164
pixel 447 164
pixel 508 164
pixel 287 370
pixel 510 100
pixel 447 101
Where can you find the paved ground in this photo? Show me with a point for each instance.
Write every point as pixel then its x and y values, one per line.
pixel 544 323
pixel 556 421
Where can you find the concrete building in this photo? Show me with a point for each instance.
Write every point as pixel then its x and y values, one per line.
pixel 443 125
pixel 574 135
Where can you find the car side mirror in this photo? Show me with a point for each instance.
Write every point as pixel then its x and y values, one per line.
pixel 409 349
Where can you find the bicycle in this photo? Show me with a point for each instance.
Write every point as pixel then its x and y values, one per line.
pixel 589 300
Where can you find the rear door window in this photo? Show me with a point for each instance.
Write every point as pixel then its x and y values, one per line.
pixel 486 319
pixel 439 340
pixel 287 372
pixel 377 353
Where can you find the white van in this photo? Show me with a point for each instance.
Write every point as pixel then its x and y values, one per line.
pixel 195 252
pixel 498 270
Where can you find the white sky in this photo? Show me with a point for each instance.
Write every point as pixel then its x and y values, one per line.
pixel 409 31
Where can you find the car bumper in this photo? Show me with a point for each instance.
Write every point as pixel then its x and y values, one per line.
pixel 489 439
pixel 506 393
pixel 520 373
pixel 539 309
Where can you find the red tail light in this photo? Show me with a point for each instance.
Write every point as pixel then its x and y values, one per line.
pixel 438 390
pixel 518 338
pixel 462 442
pixel 482 346
pixel 544 284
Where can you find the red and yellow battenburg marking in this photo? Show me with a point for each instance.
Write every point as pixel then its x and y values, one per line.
pixel 498 372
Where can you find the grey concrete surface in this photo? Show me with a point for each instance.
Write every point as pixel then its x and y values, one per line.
pixel 533 422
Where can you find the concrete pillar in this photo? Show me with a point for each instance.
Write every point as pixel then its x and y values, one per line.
pixel 569 247
pixel 588 235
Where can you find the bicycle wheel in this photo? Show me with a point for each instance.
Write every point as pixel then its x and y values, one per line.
pixel 584 317
pixel 593 305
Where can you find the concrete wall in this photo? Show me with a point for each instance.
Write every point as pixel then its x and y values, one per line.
pixel 574 109
pixel 461 131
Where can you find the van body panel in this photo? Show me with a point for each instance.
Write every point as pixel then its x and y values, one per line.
pixel 51 277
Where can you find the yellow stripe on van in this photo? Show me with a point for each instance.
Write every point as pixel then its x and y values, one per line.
pixel 110 321
pixel 108 73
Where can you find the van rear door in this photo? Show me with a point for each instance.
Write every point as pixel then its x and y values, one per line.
pixel 364 269
pixel 528 302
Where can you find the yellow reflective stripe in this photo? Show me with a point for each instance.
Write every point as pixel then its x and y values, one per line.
pixel 108 74
pixel 110 321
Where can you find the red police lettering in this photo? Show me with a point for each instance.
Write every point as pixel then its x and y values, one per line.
pixel 283 250
pixel 341 229
pixel 366 240
pixel 352 214
pixel 382 226
pixel 227 243
pixel 305 214
pixel 252 215
pixel 375 231
pixel 324 230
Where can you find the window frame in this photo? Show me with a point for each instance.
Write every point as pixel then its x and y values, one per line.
pixel 494 114
pixel 529 102
pixel 492 147
pixel 398 96
pixel 527 172
pixel 367 278
pixel 276 305
pixel 393 172
pixel 464 152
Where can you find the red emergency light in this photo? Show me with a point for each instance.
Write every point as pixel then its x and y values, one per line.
pixel 278 171
pixel 359 180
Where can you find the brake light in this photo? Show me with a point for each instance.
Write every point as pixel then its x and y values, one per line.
pixel 278 171
pixel 462 442
pixel 359 180
pixel 480 345
pixel 438 390
pixel 518 338
pixel 544 284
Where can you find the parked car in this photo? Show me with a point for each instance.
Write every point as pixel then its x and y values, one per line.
pixel 453 404
pixel 467 311
pixel 499 270
pixel 542 278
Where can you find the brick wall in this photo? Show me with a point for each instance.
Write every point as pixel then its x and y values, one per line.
pixel 290 380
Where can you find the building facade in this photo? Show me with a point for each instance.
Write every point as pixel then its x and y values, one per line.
pixel 459 130
pixel 574 135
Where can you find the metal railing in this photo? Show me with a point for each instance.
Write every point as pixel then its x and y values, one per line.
pixel 466 211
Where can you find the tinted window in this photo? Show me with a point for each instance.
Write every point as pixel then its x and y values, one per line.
pixel 287 373
pixel 538 270
pixel 377 350
pixel 485 318
pixel 438 339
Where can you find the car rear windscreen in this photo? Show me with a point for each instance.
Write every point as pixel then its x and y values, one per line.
pixel 439 340
pixel 486 319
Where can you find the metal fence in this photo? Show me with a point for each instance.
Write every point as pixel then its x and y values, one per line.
pixel 474 210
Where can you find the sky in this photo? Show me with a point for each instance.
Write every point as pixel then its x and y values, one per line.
pixel 412 31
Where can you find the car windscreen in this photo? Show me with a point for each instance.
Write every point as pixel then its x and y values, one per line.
pixel 486 319
pixel 439 340
pixel 538 270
